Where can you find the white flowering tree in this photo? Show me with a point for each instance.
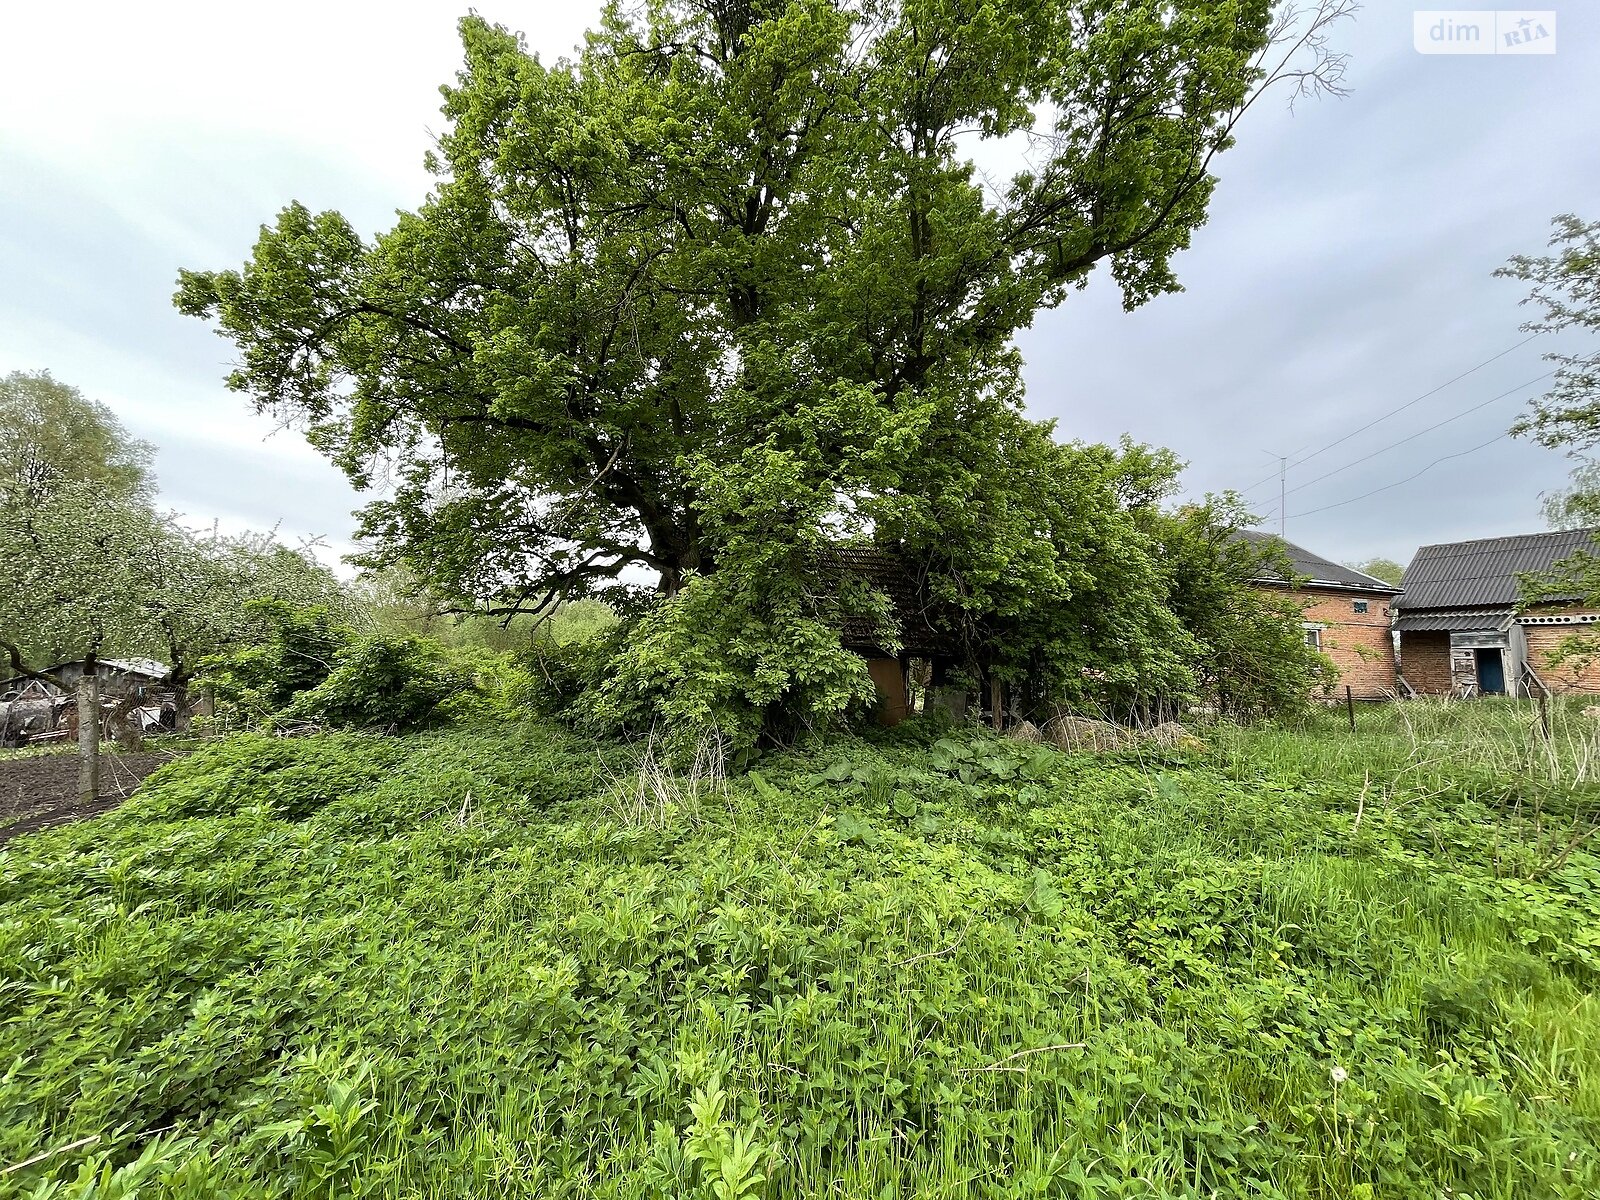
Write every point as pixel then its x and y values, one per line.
pixel 89 574
pixel 71 582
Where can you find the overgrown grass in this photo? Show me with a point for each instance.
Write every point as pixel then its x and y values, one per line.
pixel 512 964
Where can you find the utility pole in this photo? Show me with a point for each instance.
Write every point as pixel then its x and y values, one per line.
pixel 1283 494
pixel 1283 490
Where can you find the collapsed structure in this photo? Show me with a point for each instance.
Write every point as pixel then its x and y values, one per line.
pixel 41 710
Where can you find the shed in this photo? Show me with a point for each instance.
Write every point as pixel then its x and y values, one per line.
pixel 1464 629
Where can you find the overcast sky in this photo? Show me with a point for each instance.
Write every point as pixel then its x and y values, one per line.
pixel 1345 270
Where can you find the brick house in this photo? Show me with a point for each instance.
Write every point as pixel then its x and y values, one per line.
pixel 1346 614
pixel 1460 629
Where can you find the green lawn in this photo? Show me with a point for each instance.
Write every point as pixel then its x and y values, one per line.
pixel 1304 963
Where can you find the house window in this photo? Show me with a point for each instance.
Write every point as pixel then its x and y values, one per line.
pixel 1314 636
pixel 1359 606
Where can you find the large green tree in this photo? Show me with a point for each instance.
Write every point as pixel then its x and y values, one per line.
pixel 1565 286
pixel 52 436
pixel 730 286
pixel 1385 569
pixel 729 231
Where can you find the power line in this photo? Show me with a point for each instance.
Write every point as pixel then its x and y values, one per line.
pixel 1412 437
pixel 1388 486
pixel 1394 411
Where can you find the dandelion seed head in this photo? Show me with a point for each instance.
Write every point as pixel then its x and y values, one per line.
pixel 1339 1074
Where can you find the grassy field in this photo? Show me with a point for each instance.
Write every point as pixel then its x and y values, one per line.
pixel 1300 963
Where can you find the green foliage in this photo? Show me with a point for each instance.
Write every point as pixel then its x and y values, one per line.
pixel 1565 285
pixel 1577 506
pixel 581 621
pixel 382 683
pixel 73 575
pixel 939 964
pixel 1053 557
pixel 304 665
pixel 287 778
pixel 95 571
pixel 292 651
pixel 53 437
pixel 714 662
pixel 1385 569
pixel 1251 657
pixel 729 283
pixel 393 600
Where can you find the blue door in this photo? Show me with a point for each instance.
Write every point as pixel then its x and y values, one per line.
pixel 1491 673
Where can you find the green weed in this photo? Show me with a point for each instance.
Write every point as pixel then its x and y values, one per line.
pixel 516 964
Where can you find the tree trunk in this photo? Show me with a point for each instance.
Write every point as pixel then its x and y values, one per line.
pixel 180 703
pixel 89 736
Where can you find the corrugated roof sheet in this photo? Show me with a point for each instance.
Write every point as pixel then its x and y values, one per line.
pixel 1484 573
pixel 1460 620
pixel 1315 569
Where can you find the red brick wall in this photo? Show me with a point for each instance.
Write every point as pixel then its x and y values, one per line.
pixel 1358 643
pixel 1425 661
pixel 1579 676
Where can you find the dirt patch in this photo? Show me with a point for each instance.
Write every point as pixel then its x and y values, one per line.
pixel 41 790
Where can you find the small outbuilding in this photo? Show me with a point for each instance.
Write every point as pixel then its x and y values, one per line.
pixel 1465 631
pixel 922 643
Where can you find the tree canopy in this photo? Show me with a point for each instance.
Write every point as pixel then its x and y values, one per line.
pixel 52 437
pixel 1565 285
pixel 735 247
pixel 1385 569
pixel 729 287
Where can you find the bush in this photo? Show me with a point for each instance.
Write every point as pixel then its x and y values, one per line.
pixel 291 777
pixel 293 652
pixel 1252 659
pixel 562 673
pixel 380 682
pixel 711 662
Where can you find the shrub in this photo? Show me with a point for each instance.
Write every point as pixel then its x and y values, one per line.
pixel 291 777
pixel 562 673
pixel 381 682
pixel 294 651
pixel 711 662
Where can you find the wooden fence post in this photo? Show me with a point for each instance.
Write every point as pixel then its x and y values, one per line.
pixel 1350 705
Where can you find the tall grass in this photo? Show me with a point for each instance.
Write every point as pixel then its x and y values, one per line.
pixel 1299 964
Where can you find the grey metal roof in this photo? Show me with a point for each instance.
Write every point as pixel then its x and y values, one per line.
pixel 1484 573
pixel 147 667
pixel 1312 570
pixel 1456 620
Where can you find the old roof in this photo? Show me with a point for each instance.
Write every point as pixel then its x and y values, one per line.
pixel 1312 570
pixel 908 594
pixel 1483 573
pixel 145 668
pixel 1454 620
pixel 137 666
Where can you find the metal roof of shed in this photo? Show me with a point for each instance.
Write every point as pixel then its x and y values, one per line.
pixel 1460 620
pixel 1484 573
